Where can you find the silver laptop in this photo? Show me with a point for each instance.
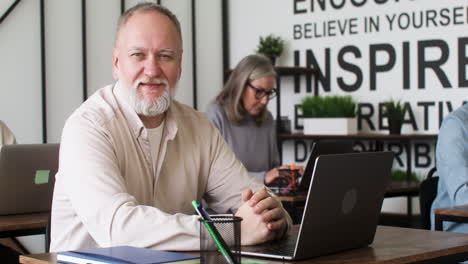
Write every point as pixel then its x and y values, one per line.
pixel 342 207
pixel 27 173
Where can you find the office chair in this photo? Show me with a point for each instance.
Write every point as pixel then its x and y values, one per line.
pixel 427 194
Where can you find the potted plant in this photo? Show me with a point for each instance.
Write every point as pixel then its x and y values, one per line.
pixel 271 46
pixel 395 113
pixel 401 175
pixel 329 115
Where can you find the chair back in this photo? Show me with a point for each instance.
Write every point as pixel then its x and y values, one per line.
pixel 427 194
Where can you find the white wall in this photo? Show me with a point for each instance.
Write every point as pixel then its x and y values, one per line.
pixel 247 24
pixel 209 51
pixel 20 65
pixel 251 19
pixel 20 95
pixel 63 63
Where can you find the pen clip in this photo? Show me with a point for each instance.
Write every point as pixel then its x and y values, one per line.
pixel 196 206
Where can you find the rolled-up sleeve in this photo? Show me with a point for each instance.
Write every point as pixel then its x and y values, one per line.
pixel 452 159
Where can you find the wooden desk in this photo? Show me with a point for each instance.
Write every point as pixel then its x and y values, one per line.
pixel 23 225
pixel 454 214
pixel 391 245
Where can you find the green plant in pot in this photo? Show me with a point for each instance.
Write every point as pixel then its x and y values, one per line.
pixel 395 113
pixel 328 106
pixel 271 46
pixel 329 115
pixel 401 175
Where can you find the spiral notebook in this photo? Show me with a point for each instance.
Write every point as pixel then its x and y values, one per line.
pixel 124 255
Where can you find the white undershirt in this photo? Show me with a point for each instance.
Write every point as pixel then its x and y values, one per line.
pixel 155 136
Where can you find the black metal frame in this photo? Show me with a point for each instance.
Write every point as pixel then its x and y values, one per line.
pixel 194 53
pixel 440 218
pixel 225 33
pixel 9 10
pixel 43 73
pixel 84 50
pixel 24 232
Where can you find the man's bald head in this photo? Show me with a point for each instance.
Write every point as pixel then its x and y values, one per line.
pixel 147 7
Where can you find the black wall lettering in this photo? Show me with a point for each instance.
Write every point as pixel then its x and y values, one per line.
pixel 296 9
pixel 422 159
pixel 374 68
pixel 411 119
pixel 381 116
pixel 300 150
pixel 406 65
pixel 364 113
pixel 426 106
pixel 359 146
pixel 397 148
pixel 435 65
pixel 324 78
pixel 337 4
pixel 462 62
pixel 351 68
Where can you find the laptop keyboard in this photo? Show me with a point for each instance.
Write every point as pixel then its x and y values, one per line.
pixel 283 248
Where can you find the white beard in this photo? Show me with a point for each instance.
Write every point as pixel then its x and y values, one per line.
pixel 150 108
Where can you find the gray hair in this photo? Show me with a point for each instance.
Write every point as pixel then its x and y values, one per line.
pixel 147 7
pixel 250 68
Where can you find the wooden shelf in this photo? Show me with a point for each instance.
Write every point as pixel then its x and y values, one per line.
pixel 286 71
pixel 361 136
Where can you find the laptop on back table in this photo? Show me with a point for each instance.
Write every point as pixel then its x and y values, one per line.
pixel 342 207
pixel 27 173
pixel 323 147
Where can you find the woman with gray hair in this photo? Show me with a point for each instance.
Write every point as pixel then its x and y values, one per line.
pixel 239 112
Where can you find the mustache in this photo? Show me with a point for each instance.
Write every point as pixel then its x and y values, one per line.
pixel 152 81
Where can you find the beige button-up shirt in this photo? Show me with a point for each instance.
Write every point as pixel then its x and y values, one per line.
pixel 107 193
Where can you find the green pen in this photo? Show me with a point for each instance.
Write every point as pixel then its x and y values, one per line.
pixel 220 243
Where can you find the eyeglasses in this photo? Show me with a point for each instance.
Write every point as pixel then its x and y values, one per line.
pixel 260 93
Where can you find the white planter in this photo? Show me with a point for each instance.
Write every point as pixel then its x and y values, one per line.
pixel 330 126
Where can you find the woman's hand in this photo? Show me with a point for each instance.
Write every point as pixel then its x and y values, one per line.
pixel 274 174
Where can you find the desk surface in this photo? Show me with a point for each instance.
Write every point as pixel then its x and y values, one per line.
pixel 457 214
pixel 391 244
pixel 23 224
pixel 461 210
